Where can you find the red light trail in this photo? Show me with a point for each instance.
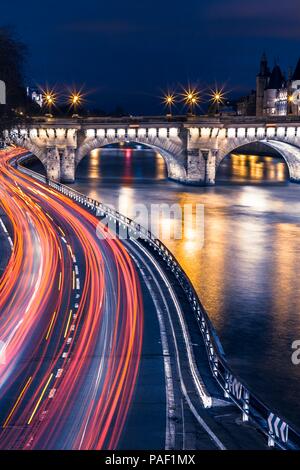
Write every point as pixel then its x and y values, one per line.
pixel 71 320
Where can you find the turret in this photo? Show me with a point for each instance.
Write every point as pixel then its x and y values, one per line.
pixel 261 83
pixel 295 91
pixel 275 93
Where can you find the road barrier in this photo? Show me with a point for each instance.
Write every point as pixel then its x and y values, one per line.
pixel 278 432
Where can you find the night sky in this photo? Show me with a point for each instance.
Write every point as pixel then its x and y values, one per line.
pixel 126 52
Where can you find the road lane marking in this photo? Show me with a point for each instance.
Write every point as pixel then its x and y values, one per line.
pixel 52 393
pixel 3 226
pixel 61 231
pixel 17 402
pixel 59 373
pixel 66 330
pixel 70 250
pixel 59 281
pixel 169 385
pixel 40 399
pixel 50 326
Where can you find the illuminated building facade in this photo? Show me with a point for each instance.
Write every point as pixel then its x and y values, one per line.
pixel 35 95
pixel 276 95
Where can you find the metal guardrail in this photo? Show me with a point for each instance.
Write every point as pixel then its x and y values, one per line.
pixel 278 431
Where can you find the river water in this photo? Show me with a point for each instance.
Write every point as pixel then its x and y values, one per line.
pixel 247 273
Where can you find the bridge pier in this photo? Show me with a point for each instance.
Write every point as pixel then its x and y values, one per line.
pixel 67 165
pixel 201 167
pixel 53 164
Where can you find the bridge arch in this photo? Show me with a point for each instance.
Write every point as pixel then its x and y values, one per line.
pixel 172 153
pixel 289 152
pixel 23 142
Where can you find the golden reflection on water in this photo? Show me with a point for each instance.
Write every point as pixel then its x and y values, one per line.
pixel 235 238
pixel 255 168
pixel 286 269
pixel 160 167
pixel 94 163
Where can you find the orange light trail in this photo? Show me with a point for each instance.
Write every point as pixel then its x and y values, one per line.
pixel 90 361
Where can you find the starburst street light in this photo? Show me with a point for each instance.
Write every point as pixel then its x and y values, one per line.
pixel 49 98
pixel 217 97
pixel 191 98
pixel 169 101
pixel 291 101
pixel 75 99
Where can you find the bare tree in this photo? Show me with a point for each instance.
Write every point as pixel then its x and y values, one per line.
pixel 12 58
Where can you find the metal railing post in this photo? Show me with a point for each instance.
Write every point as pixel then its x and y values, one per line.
pixel 246 400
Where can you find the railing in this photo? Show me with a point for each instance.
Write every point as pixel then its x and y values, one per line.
pixel 201 119
pixel 278 431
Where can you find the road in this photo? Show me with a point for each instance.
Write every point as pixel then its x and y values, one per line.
pixel 71 323
pixel 99 348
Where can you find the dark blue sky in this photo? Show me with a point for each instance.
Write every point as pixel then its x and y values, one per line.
pixel 126 52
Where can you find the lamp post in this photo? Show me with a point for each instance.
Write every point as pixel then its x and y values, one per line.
pixel 75 100
pixel 191 98
pixel 217 97
pixel 290 104
pixel 169 101
pixel 49 98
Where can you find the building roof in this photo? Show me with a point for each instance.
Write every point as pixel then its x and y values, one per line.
pixel 277 79
pixel 296 75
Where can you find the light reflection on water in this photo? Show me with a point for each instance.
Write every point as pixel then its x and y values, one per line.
pixel 245 168
pixel 248 272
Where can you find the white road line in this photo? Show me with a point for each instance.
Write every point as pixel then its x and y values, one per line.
pixel 7 234
pixel 183 425
pixel 3 226
pixel 202 393
pixel 170 408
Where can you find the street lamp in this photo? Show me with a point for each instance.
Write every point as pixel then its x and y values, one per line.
pixel 169 101
pixel 291 101
pixel 217 97
pixel 75 100
pixel 191 97
pixel 49 98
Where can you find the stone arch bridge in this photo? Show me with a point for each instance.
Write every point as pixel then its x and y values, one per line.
pixel 192 147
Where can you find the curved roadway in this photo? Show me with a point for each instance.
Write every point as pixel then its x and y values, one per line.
pixel 71 323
